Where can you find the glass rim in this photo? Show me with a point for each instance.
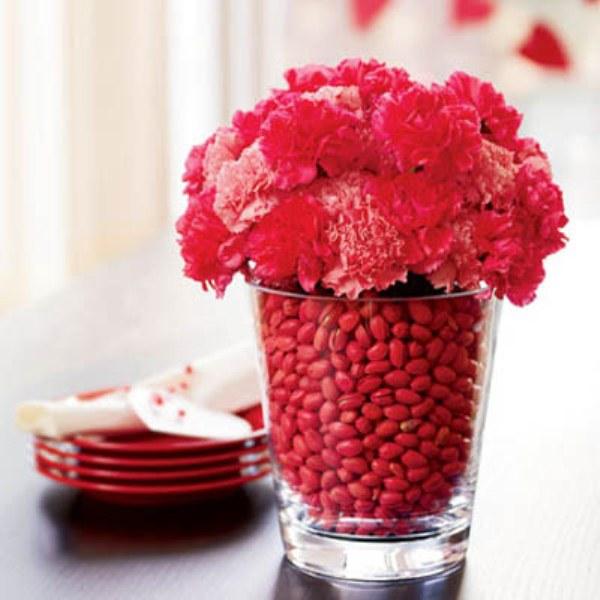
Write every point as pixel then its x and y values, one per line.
pixel 427 297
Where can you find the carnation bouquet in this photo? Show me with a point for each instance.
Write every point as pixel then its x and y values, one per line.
pixel 356 179
pixel 378 222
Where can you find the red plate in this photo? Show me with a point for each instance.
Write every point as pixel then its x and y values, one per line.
pixel 128 462
pixel 152 494
pixel 209 472
pixel 153 443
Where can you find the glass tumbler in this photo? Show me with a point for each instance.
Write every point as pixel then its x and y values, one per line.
pixel 375 410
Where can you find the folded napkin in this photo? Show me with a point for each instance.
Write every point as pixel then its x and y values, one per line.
pixel 197 400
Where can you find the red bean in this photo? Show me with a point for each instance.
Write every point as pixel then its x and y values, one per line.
pixel 306 353
pixel 321 339
pixel 396 484
pixel 371 479
pixel 377 367
pixel 309 479
pixel 381 467
pixel 344 475
pixel 421 383
pixel 433 482
pixel 316 463
pixel 329 390
pixel 343 431
pixel 428 449
pixel 331 458
pixel 362 337
pixel 397 378
pixel 407 396
pixel 423 408
pixel 329 479
pixel 416 350
pixel 450 454
pixel 408 440
pixel 414 475
pixel 340 495
pixel 368 384
pixel 413 495
pixel 417 366
pixel 356 465
pixel 306 333
pixel 339 361
pixel 391 498
pixel 328 412
pixel 444 374
pixel 377 351
pixel 439 391
pixel 453 469
pixel 400 330
pixel 392 312
pixel 441 415
pixel 379 327
pixel 312 401
pixel 420 312
pixel 351 401
pixel 426 431
pixel 387 429
pixel 348 416
pixel 319 368
pixel 363 425
pixel 348 321
pixel 359 491
pixel 413 459
pixel 397 352
pixel 349 447
pixel 343 381
pixel 313 440
pixel 434 349
pixel 309 310
pixel 449 354
pixel 397 412
pixel 420 333
pixel 390 450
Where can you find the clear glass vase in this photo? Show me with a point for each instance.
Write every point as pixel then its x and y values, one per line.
pixel 375 410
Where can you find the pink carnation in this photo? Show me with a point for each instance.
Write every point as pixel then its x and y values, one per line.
pixel 243 192
pixel 370 252
pixel 226 147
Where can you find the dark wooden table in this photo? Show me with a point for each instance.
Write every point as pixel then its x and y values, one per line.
pixel 536 532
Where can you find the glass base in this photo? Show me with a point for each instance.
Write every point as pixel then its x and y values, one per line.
pixel 369 559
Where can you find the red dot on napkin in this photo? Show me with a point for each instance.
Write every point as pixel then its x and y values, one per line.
pixel 545 48
pixel 471 11
pixel 364 12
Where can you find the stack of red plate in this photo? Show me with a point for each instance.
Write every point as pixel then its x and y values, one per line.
pixel 151 468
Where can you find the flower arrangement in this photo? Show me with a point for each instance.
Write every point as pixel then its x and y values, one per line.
pixel 357 180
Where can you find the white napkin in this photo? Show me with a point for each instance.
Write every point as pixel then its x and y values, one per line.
pixel 196 400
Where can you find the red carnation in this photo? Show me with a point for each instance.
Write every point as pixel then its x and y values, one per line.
pixel 304 134
pixel 287 244
pixel 423 129
pixel 498 121
pixel 201 236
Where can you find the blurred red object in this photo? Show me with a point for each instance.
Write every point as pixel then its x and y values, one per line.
pixel 471 11
pixel 364 12
pixel 545 48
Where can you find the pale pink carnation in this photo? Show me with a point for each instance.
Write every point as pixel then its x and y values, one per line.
pixel 243 195
pixel 347 96
pixel 225 148
pixel 370 250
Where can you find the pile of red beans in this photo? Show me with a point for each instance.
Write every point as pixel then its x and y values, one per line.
pixel 371 404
